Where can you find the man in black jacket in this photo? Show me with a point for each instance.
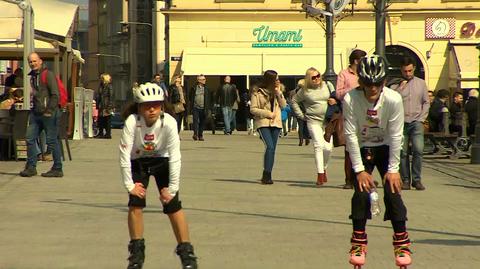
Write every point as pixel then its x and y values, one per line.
pixel 471 107
pixel 44 115
pixel 437 108
pixel 199 104
pixel 226 97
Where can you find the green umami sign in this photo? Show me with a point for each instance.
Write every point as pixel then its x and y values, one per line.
pixel 277 39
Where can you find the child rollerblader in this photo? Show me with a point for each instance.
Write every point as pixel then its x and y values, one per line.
pixel 150 146
pixel 374 129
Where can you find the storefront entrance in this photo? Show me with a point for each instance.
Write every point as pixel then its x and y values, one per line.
pixel 394 54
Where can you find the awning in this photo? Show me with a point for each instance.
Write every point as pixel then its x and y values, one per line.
pixel 11 51
pixel 254 61
pixel 463 65
pixel 53 16
pixel 11 19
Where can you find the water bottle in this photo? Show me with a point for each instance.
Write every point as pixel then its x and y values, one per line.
pixel 374 203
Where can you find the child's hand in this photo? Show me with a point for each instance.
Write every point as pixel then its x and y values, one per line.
pixel 165 196
pixel 138 190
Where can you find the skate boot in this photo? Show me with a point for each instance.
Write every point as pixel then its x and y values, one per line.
pixel 358 250
pixel 136 248
pixel 185 252
pixel 401 244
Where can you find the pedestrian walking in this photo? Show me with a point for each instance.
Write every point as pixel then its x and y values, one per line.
pixel 104 103
pixel 227 95
pixel 436 111
pixel 177 99
pixel 347 80
pixel 266 104
pixel 416 105
pixel 150 146
pixel 314 99
pixel 44 116
pixel 373 128
pixel 303 134
pixel 199 104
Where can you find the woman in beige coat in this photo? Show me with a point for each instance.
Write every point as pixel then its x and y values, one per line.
pixel 266 104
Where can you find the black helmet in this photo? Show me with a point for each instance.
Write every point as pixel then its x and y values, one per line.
pixel 372 70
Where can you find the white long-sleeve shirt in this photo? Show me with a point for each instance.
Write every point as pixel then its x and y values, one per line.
pixel 140 141
pixel 373 124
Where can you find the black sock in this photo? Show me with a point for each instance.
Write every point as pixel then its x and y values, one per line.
pixel 359 225
pixel 399 226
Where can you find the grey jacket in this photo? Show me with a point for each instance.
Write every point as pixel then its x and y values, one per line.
pixel 45 95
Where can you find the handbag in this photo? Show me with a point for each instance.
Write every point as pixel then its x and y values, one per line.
pixel 335 128
pixel 178 107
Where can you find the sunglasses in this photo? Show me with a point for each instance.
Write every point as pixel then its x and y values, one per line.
pixel 316 77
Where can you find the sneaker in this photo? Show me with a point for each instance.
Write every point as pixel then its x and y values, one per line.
pixel 53 173
pixel 418 186
pixel 347 186
pixel 187 256
pixel 29 172
pixel 405 185
pixel 195 137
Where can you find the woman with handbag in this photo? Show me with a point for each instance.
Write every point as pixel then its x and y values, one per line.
pixel 177 99
pixel 104 102
pixel 314 98
pixel 266 104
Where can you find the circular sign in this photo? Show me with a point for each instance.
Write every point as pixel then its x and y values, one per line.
pixel 338 5
pixel 440 27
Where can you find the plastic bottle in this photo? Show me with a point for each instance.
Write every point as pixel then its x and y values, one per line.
pixel 374 203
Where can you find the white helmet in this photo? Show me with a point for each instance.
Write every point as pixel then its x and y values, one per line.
pixel 148 92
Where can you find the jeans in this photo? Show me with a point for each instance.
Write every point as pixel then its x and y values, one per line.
pixel 234 120
pixel 179 119
pixel 198 121
pixel 37 123
pixel 321 147
pixel 227 118
pixel 269 136
pixel 413 132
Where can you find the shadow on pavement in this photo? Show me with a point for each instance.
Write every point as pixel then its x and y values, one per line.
pixel 463 186
pixel 447 242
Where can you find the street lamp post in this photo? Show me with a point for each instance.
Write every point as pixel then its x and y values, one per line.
pixel 329 74
pixel 380 17
pixel 475 159
pixel 153 43
pixel 28 46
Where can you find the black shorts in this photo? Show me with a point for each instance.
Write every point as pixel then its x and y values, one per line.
pixel 157 167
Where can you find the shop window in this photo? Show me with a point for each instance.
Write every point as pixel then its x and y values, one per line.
pixel 239 1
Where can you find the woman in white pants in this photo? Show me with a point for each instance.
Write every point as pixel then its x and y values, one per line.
pixel 314 99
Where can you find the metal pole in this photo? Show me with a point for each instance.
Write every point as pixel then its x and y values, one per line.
pixel 476 144
pixel 380 17
pixel 329 74
pixel 28 47
pixel 154 38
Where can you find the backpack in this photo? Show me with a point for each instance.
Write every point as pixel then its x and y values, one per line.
pixel 62 91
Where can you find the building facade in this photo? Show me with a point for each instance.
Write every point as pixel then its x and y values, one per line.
pixel 243 38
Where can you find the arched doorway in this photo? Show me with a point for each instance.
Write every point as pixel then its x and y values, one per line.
pixel 394 54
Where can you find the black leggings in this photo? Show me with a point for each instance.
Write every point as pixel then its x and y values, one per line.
pixel 395 210
pixel 158 167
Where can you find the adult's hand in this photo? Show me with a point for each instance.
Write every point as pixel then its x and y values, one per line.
pixel 332 101
pixel 395 182
pixel 365 181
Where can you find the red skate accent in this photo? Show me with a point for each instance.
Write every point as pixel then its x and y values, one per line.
pixel 358 251
pixel 401 244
